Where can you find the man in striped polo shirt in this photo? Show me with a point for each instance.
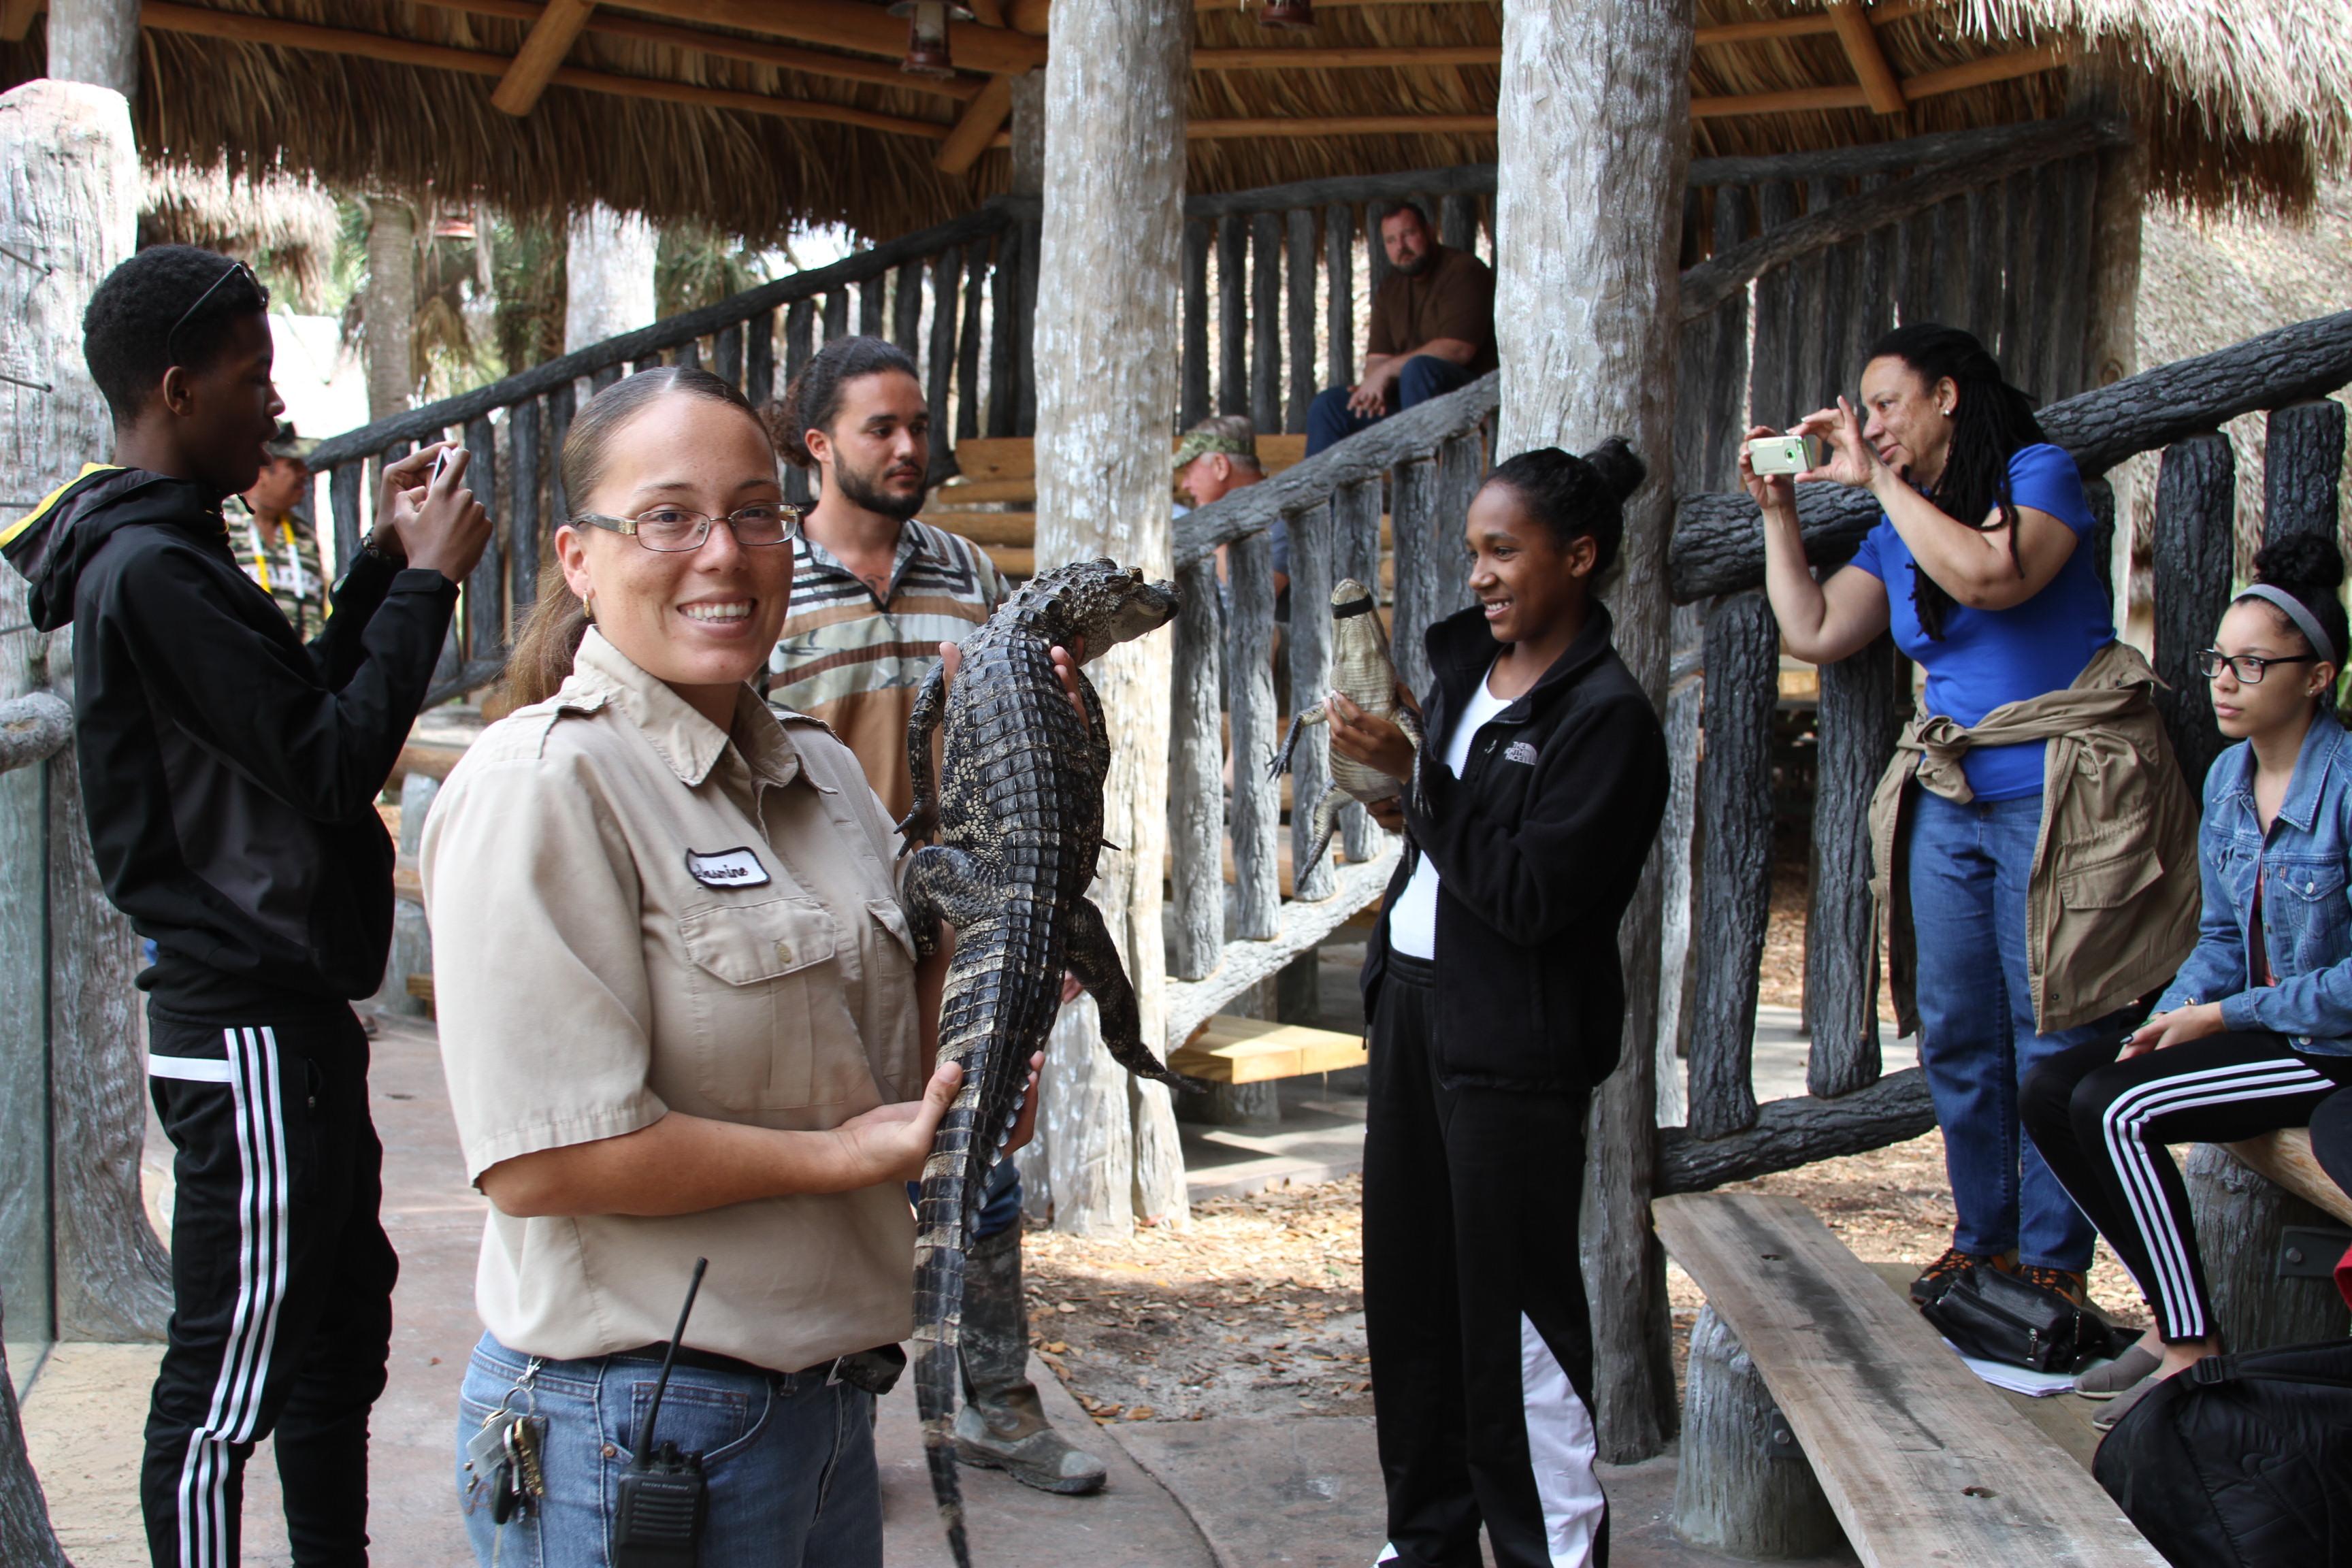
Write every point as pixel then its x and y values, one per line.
pixel 874 592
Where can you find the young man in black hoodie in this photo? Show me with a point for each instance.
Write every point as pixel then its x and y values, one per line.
pixel 229 773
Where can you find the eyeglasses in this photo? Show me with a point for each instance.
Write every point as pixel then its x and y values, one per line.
pixel 235 270
pixel 2248 667
pixel 669 528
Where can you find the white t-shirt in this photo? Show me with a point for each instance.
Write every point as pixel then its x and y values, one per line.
pixel 1413 922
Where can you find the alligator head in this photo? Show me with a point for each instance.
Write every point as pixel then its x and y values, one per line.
pixel 1102 602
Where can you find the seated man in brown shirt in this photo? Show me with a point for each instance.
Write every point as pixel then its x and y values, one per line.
pixel 1432 331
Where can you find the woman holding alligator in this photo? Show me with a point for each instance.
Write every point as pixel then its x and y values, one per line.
pixel 680 1017
pixel 1496 1000
pixel 2033 814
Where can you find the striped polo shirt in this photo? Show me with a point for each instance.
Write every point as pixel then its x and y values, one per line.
pixel 855 663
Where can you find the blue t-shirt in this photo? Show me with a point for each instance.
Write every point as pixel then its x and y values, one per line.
pixel 1987 657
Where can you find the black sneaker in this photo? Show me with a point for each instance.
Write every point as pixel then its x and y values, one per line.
pixel 1944 1273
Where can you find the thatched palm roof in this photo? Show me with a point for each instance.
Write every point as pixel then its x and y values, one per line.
pixel 286 224
pixel 760 115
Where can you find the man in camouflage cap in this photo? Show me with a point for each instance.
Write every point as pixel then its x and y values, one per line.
pixel 274 542
pixel 1217 457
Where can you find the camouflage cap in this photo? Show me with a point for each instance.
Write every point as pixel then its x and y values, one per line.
pixel 1204 439
pixel 284 442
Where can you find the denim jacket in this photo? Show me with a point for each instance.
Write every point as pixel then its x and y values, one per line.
pixel 2307 905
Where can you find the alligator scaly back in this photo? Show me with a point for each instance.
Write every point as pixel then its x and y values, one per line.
pixel 1017 820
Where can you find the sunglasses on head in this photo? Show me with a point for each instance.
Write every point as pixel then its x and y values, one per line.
pixel 234 268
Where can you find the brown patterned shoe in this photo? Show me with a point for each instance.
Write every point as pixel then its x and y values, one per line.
pixel 2075 1284
pixel 1941 1275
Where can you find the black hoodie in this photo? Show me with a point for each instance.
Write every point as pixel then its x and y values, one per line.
pixel 228 772
pixel 1537 846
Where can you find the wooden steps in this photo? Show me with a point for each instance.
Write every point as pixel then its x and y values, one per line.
pixel 1249 1050
pixel 1921 1461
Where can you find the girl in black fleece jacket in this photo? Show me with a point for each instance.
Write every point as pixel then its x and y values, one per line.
pixel 1496 1000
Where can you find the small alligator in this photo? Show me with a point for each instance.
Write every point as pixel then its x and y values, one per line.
pixel 1019 821
pixel 1362 672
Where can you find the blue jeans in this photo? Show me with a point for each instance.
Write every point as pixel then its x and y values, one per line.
pixel 1423 377
pixel 790 1459
pixel 1969 869
pixel 1000 1201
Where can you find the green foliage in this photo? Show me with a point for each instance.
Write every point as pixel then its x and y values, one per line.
pixel 694 265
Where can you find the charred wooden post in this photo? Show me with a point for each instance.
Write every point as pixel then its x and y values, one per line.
pixel 1376 254
pixel 1863 705
pixel 2241 1220
pixel 2016 294
pixel 1953 261
pixel 727 356
pixel 760 346
pixel 1771 354
pixel 1233 315
pixel 1196 806
pixel 1106 386
pixel 1585 314
pixel 1265 321
pixel 1249 702
pixel 1300 256
pixel 1713 376
pixel 486 618
pixel 1457 220
pixel 1193 406
pixel 799 347
pixel 1874 288
pixel 1356 556
pixel 2303 471
pixel 2101 495
pixel 1004 315
pixel 1310 679
pixel 969 391
pixel 939 364
pixel 907 309
pixel 344 506
pixel 1986 245
pixel 526 519
pixel 2196 512
pixel 874 307
pixel 1339 278
pixel 832 322
pixel 1734 880
pixel 1798 1130
pixel 1744 1487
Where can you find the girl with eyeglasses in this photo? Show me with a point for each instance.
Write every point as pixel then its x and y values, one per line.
pixel 2255 1032
pixel 680 1017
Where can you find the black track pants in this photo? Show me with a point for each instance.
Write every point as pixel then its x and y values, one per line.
pixel 282 1281
pixel 1481 1347
pixel 2102 1125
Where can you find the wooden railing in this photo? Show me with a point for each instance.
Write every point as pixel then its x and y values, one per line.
pixel 1716 558
pixel 943 294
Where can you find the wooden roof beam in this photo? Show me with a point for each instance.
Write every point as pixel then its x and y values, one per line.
pixel 728 47
pixel 239 26
pixel 852 24
pixel 543 48
pixel 1859 42
pixel 984 117
pixel 17 18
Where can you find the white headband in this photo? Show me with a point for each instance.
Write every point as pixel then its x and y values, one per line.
pixel 2305 622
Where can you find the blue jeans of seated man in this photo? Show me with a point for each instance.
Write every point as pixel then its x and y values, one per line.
pixel 790 1460
pixel 1424 377
pixel 1969 867
pixel 1000 1201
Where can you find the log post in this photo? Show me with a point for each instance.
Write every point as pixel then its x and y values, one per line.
pixel 97 42
pixel 1106 387
pixel 1310 679
pixel 969 393
pixel 25 1539
pixel 1233 315
pixel 1597 98
pixel 1678 838
pixel 1339 278
pixel 1196 808
pixel 1744 1487
pixel 2196 510
pixel 2303 471
pixel 70 172
pixel 1299 247
pixel 1249 688
pixel 1265 321
pixel 2240 1219
pixel 1356 556
pixel 1862 703
pixel 1735 877
pixel 389 305
pixel 1193 404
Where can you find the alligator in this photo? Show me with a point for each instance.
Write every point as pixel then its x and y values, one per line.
pixel 1018 820
pixel 1362 672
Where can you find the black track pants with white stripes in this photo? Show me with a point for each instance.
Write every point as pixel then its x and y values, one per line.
pixel 1473 1306
pixel 282 1281
pixel 2102 1125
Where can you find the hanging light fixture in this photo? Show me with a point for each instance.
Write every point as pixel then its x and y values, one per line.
pixel 927 35
pixel 1298 15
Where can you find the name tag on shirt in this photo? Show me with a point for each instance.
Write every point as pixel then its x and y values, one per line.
pixel 727 868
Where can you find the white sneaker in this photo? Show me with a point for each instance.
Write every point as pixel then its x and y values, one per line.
pixel 1388 1554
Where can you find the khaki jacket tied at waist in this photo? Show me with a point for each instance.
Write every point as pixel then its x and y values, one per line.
pixel 2112 902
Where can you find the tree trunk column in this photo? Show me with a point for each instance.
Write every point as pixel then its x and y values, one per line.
pixel 389 306
pixel 1595 96
pixel 1106 377
pixel 95 42
pixel 608 271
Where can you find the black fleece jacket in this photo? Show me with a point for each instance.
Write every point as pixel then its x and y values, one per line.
pixel 228 772
pixel 1537 846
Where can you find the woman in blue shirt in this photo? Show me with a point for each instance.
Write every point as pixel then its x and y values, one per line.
pixel 2255 1032
pixel 1982 567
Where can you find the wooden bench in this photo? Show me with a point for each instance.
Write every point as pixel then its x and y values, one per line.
pixel 1001 470
pixel 2286 1159
pixel 1227 1049
pixel 1917 1460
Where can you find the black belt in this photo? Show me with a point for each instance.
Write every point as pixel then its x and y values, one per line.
pixel 876 1370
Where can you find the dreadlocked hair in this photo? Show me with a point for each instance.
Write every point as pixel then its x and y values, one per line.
pixel 812 398
pixel 1991 420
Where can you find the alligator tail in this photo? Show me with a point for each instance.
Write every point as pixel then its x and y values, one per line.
pixel 940 1235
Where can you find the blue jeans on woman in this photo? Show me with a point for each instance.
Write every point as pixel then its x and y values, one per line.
pixel 1969 867
pixel 789 1457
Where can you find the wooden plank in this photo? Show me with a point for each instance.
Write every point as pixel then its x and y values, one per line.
pixel 2195 517
pixel 1013 560
pixel 1265 321
pixel 1922 1461
pixel 1233 315
pixel 985 528
pixel 1229 1049
pixel 982 119
pixel 1193 399
pixel 1249 684
pixel 1735 879
pixel 2286 1159
pixel 1300 260
pixel 543 48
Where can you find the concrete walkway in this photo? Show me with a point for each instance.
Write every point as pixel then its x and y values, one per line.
pixel 1206 1494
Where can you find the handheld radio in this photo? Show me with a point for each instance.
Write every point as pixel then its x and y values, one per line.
pixel 664 1494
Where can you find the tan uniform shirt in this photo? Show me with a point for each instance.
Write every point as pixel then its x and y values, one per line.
pixel 632 914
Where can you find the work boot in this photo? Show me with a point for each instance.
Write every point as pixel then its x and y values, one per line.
pixel 1002 1425
pixel 1944 1273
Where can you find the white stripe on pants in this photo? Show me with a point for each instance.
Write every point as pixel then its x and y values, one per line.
pixel 2125 1127
pixel 254 1089
pixel 1561 1448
